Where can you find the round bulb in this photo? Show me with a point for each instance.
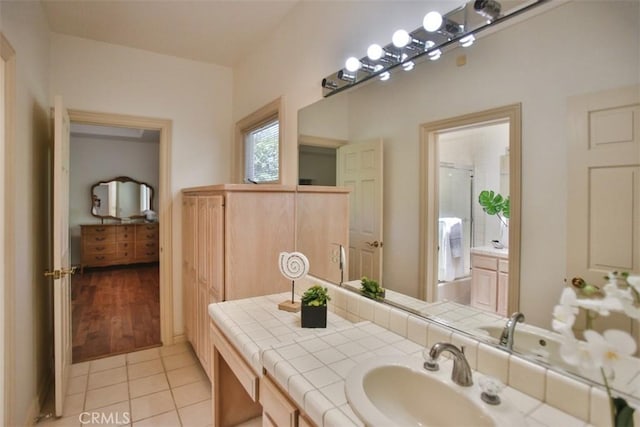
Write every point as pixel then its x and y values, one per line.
pixel 374 52
pixel 385 76
pixel 400 38
pixel 352 64
pixel 432 21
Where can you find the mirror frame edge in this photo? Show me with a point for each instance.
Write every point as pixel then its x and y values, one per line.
pixel 428 270
pixel 120 179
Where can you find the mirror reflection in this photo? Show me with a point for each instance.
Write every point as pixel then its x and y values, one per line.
pixel 121 198
pixel 544 64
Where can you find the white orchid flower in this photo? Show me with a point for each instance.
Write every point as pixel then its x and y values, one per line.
pixel 607 349
pixel 604 306
pixel 564 314
pixel 576 353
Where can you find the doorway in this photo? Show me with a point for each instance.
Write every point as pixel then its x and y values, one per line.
pixel 482 150
pixel 113 230
pixel 162 203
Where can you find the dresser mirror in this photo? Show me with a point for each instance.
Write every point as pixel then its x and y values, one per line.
pixel 121 198
pixel 539 63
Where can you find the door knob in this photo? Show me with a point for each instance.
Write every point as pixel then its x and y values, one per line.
pixel 374 244
pixel 57 274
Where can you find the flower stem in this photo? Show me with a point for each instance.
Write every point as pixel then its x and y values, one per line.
pixel 611 404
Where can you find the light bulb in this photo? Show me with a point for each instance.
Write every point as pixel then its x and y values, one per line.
pixel 374 52
pixel 467 41
pixel 352 64
pixel 434 55
pixel 432 21
pixel 429 44
pixel 408 66
pixel 400 38
pixel 385 76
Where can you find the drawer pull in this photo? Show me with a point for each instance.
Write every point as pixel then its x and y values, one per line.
pixel 99 257
pixel 99 248
pixel 150 245
pixel 150 236
pixel 100 229
pixel 100 239
pixel 151 253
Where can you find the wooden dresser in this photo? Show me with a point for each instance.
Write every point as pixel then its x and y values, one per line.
pixel 118 244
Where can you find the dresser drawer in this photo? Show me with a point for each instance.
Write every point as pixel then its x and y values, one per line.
pixel 125 233
pixel 90 248
pixel 105 231
pixel 147 232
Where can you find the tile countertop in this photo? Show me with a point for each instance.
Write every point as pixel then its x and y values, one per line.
pixel 312 364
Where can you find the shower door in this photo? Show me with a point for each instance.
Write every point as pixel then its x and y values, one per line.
pixel 455 206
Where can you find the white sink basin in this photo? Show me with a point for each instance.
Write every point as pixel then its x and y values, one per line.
pixel 393 391
pixel 541 346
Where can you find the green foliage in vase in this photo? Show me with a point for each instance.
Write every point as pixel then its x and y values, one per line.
pixel 371 289
pixel 315 296
pixel 495 204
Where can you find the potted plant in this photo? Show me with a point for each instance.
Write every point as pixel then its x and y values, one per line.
pixel 371 289
pixel 496 204
pixel 314 307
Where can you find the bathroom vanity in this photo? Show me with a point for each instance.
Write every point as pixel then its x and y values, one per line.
pixel 490 279
pixel 265 365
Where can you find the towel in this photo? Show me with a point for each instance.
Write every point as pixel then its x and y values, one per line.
pixel 450 260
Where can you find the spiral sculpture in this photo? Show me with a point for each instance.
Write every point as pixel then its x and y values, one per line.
pixel 293 265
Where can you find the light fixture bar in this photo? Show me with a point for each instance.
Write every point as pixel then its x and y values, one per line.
pixel 408 47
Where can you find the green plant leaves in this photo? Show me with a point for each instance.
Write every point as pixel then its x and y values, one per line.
pixel 494 203
pixel 623 413
pixel 315 296
pixel 371 289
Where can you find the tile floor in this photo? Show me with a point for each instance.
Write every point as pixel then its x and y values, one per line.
pixel 162 386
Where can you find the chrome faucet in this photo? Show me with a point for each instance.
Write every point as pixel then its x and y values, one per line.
pixel 506 338
pixel 461 372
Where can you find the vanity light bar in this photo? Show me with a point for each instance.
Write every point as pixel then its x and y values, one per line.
pixel 438 35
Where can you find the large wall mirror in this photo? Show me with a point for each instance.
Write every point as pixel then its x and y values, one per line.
pixel 121 198
pixel 540 63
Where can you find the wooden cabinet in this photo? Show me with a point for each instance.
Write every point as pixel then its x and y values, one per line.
pixel 490 280
pixel 232 236
pixel 118 244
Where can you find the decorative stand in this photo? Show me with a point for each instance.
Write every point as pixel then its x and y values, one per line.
pixel 293 265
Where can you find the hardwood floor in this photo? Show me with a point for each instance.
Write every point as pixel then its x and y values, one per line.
pixel 115 310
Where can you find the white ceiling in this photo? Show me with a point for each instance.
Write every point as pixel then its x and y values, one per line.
pixel 215 31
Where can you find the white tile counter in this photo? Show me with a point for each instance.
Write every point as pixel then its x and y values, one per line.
pixel 312 364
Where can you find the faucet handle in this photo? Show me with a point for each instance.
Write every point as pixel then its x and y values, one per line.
pixel 491 387
pixel 430 364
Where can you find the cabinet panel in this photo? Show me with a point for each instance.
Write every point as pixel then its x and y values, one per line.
pixel 484 288
pixel 276 405
pixel 503 293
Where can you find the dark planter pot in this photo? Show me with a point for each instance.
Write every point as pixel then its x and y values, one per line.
pixel 314 317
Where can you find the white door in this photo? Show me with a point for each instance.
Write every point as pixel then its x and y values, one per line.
pixel 360 169
pixel 603 225
pixel 61 268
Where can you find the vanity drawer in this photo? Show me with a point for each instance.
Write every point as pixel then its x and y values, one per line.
pixel 488 263
pixel 276 405
pixel 503 265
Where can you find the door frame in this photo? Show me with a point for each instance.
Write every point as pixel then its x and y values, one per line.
pixel 7 270
pixel 429 167
pixel 165 202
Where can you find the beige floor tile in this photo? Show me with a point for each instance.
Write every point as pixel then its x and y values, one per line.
pixel 73 404
pixel 151 404
pixel 106 396
pixel 198 415
pixel 148 385
pixel 168 419
pixel 118 414
pixel 186 375
pixel 175 349
pixel 143 355
pixel 72 421
pixel 145 369
pixel 107 363
pixel 77 385
pixel 179 360
pixel 108 377
pixel 78 369
pixel 191 393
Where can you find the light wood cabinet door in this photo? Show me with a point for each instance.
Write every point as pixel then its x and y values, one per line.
pixel 503 294
pixel 210 245
pixel 484 289
pixel 189 232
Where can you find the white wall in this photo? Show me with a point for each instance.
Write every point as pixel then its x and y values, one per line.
pixel 98 159
pixel 539 63
pixel 24 25
pixel 101 77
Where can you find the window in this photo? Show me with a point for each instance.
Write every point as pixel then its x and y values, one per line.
pixel 262 153
pixel 257 152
